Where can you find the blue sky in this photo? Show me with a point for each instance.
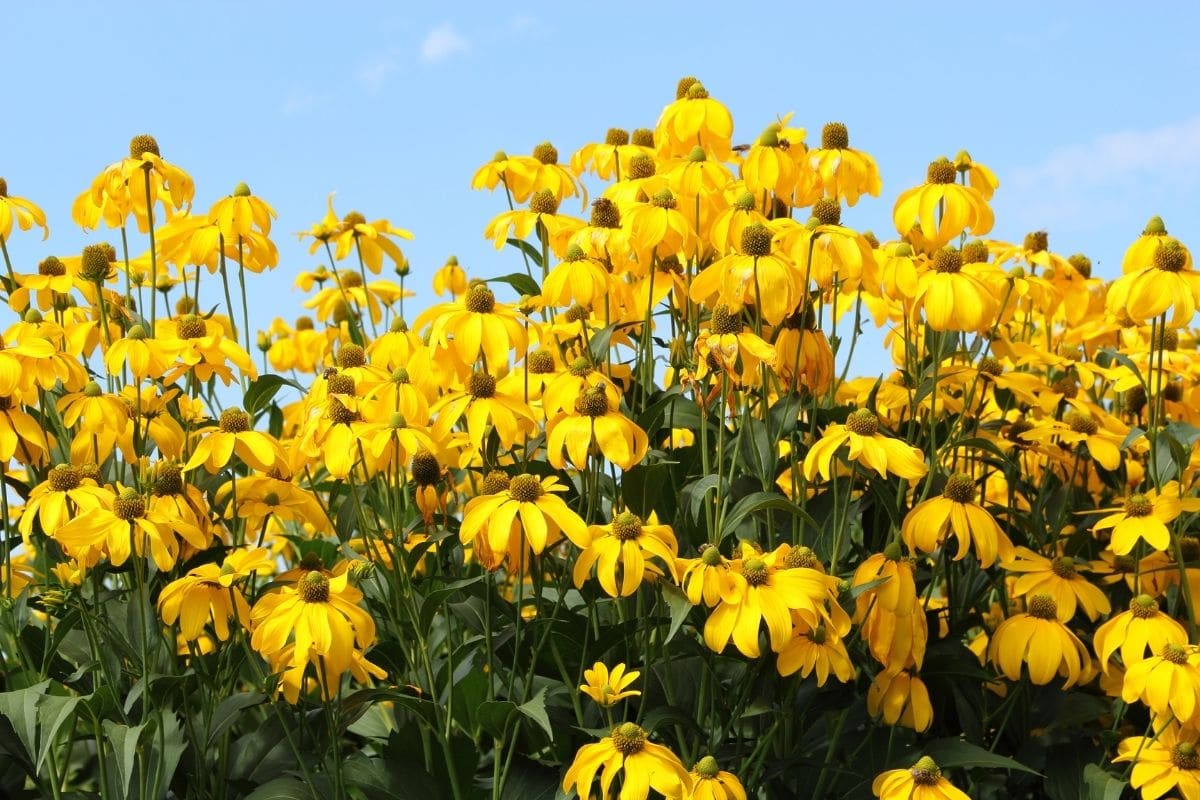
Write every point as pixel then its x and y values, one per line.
pixel 1087 111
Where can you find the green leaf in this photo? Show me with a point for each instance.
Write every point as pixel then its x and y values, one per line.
pixel 227 713
pixel 52 711
pixel 263 389
pixel 957 753
pixel 21 709
pixel 535 709
pixel 756 451
pixel 520 282
pixel 435 599
pixel 680 608
pixel 1101 785
pixel 284 788
pixel 764 501
pixel 124 740
pixel 696 491
pixel 494 716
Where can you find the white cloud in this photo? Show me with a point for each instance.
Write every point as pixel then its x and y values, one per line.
pixel 443 42
pixel 374 74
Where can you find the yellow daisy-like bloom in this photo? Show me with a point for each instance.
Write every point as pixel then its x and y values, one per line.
pixel 234 436
pixel 759 590
pixel 475 324
pixel 642 764
pixel 297 676
pixel 542 215
pixel 526 175
pixel 898 591
pixel 926 526
pixel 578 279
pixel 1168 286
pixel 694 119
pixel 979 177
pixel 628 544
pixel 703 578
pixel 1167 682
pixel 481 403
pixel 843 173
pixel 1060 578
pixel 134 185
pixel 612 158
pixel 900 699
pixel 1140 254
pixel 922 781
pixel 320 616
pixel 1137 634
pixel 727 339
pixel 725 233
pixel 126 526
pixel 241 213
pixel 143 356
pixel 450 279
pixel 607 687
pixel 1143 516
pixel 954 299
pixel 658 229
pixel 1168 760
pixel 710 782
pixel 207 593
pixel 20 210
pixel 1040 640
pixel 961 208
pixel 373 240
pixel 753 278
pixel 65 494
pixel 769 167
pixel 867 446
pixel 594 421
pixel 815 649
pixel 535 503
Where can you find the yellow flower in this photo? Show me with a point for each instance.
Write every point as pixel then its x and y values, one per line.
pixel 1167 285
pixel 658 229
pixel 482 403
pixel 1167 682
pixel 842 172
pixel 373 240
pixel 728 341
pixel 241 213
pixel 450 278
pixel 542 216
pixel 475 324
pixel 643 765
pixel 900 699
pixel 1168 760
pixel 1143 516
pixel 703 578
pixel 867 446
pixel 943 208
pixel 754 277
pixel 925 527
pixel 319 615
pixel 1039 639
pixel 1058 577
pixel 542 515
pixel 923 781
pixel 694 119
pixel 815 649
pixel 234 436
pixel 606 160
pixel 769 166
pixel 578 279
pixel 607 687
pixel 954 298
pixel 1141 253
pixel 594 421
pixel 134 185
pixel 24 212
pixel 628 544
pixel 979 176
pixel 125 526
pixel 142 356
pixel 207 593
pixel 1134 633
pixel 710 782
pixel 525 175
pixel 65 494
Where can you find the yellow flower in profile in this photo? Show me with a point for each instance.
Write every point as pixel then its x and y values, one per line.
pixel 954 299
pixel 532 502
pixel 867 446
pixel 482 403
pixel 755 277
pixel 979 176
pixel 475 324
pixel 134 185
pixel 450 279
pixel 607 687
pixel 768 164
pixel 594 421
pixel 207 593
pixel 612 158
pixel 626 544
pixel 1167 682
pixel 320 616
pixel 1060 578
pixel 694 119
pixel 1141 253
pixel 1039 639
pixel 66 493
pixel 1168 286
pixel 1144 516
pixel 943 208
pixel 815 649
pixel 703 578
pixel 710 782
pixel 842 172
pixel 922 781
pixel 925 527
pixel 1170 759
pixel 577 279
pixel 235 436
pixel 642 765
pixel 900 699
pixel 1136 634
pixel 241 214
pixel 143 356
pixel 20 210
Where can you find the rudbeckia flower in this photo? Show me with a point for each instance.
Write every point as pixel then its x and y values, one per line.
pixel 943 208
pixel 956 512
pixel 535 503
pixel 923 781
pixel 1039 639
pixel 607 688
pixel 897 592
pixel 1144 516
pixel 1060 578
pixel 867 446
pixel 1168 286
pixel 842 172
pixel 768 167
pixel 67 492
pixel 815 649
pixel 900 699
pixel 18 209
pixel 694 119
pixel 626 544
pixel 1142 252
pixel 476 324
pixel 954 299
pixel 241 214
pixel 725 233
pixel 134 185
pixel 480 403
pixel 450 279
pixel 642 765
pixel 1168 682
pixel 727 339
pixel 1170 759
pixel 1136 634
pixel 234 436
pixel 577 280
pixel 541 216
pixel 609 159
pixel 541 171
pixel 659 229
pixel 710 782
pixel 703 578
pixel 594 421
pixel 126 526
pixel 754 278
pixel 208 594
pixel 979 177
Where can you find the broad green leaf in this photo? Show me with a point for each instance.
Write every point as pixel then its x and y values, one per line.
pixel 1101 785
pixel 227 713
pixel 124 741
pixel 957 753
pixel 680 608
pixel 764 501
pixel 284 788
pixel 21 709
pixel 535 709
pixel 263 389
pixel 494 716
pixel 53 711
pixel 519 281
